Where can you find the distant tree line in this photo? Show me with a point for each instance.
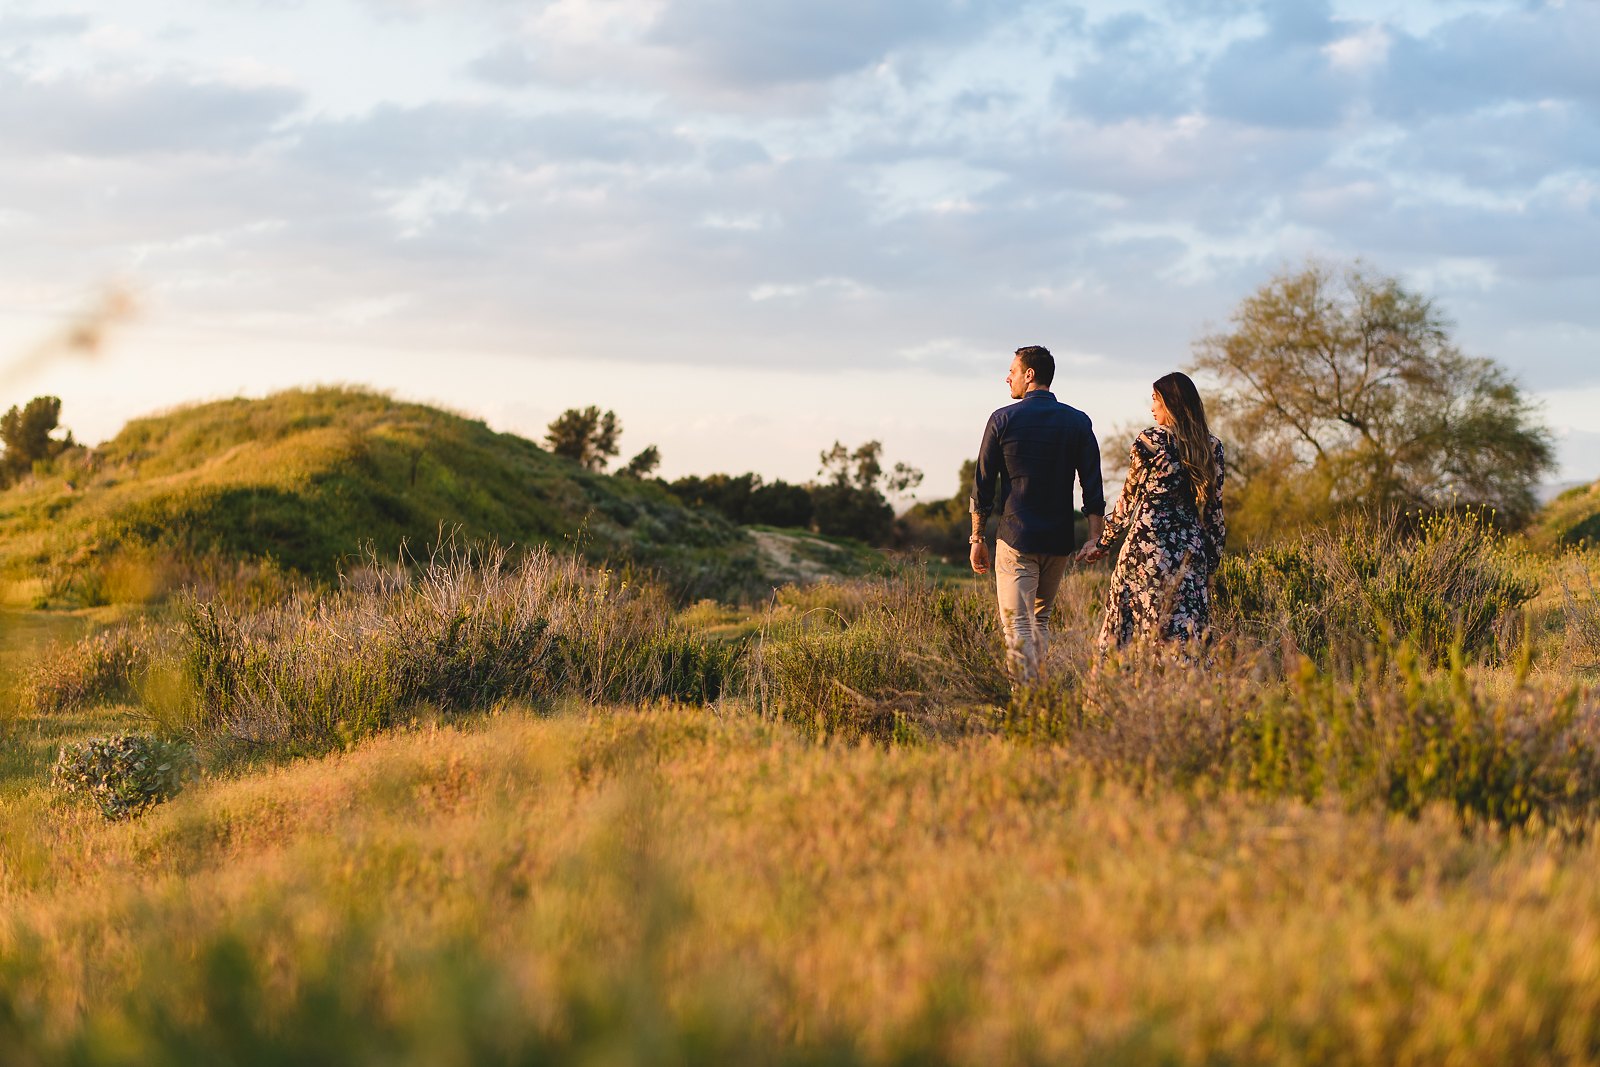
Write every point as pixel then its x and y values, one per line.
pixel 1335 388
pixel 849 498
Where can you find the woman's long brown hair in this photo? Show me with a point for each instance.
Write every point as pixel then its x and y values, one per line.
pixel 1177 391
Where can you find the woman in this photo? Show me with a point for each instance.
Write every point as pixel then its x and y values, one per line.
pixel 1171 510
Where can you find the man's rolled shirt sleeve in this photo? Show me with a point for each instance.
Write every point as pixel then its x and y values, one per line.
pixel 1094 491
pixel 988 469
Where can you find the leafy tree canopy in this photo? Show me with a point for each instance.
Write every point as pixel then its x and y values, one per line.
pixel 644 464
pixel 25 433
pixel 586 436
pixel 1339 387
pixel 863 469
pixel 747 498
pixel 852 501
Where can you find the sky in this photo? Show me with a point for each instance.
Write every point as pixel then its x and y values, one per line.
pixel 755 227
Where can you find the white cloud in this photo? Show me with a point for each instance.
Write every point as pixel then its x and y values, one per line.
pixel 1362 50
pixel 840 288
pixel 435 201
pixel 1455 274
pixel 742 222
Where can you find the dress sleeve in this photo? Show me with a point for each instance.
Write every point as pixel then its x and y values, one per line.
pixel 1121 516
pixel 1216 522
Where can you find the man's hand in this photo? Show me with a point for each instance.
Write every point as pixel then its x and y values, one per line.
pixel 1089 553
pixel 980 557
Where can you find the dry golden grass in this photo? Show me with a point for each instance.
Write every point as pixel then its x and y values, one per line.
pixel 1259 861
pixel 668 885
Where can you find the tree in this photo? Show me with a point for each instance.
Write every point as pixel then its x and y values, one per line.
pixel 586 436
pixel 1341 388
pixel 644 464
pixel 852 502
pixel 728 494
pixel 25 432
pixel 778 503
pixel 863 468
pixel 941 527
pixel 746 499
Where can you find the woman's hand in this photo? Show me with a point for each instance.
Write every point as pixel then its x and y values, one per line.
pixel 1092 552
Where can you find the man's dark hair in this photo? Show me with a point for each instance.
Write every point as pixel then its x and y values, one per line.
pixel 1038 359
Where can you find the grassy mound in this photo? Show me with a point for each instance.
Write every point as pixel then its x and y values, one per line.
pixel 305 478
pixel 1570 519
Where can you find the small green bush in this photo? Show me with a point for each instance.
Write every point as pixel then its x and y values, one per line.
pixel 1455 581
pixel 1393 734
pixel 1406 737
pixel 126 773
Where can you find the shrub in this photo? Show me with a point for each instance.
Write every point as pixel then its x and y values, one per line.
pixel 1456 581
pixel 896 656
pixel 1393 734
pixel 1143 717
pixel 126 773
pixel 102 668
pixel 1580 602
pixel 467 630
pixel 1405 737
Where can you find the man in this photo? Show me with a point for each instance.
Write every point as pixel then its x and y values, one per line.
pixel 1035 448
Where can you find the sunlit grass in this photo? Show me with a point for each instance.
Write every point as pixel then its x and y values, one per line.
pixel 717 885
pixel 863 850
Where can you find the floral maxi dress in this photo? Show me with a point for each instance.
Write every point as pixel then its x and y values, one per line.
pixel 1161 587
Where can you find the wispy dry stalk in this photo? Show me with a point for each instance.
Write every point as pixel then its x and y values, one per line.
pixel 85 337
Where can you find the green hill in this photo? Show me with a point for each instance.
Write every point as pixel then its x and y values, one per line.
pixel 306 478
pixel 1570 518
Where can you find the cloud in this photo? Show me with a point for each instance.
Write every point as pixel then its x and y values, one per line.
pixel 508 66
pixel 1540 51
pixel 1507 149
pixel 16 28
pixel 127 116
pixel 395 143
pixel 1134 72
pixel 759 43
pixel 1287 76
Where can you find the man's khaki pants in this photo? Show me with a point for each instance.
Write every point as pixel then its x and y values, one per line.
pixel 1026 583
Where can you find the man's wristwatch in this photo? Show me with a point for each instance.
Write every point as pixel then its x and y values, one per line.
pixel 975 539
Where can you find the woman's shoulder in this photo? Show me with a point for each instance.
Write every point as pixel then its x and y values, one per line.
pixel 1152 438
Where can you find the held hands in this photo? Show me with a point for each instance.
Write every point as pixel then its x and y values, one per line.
pixel 1089 553
pixel 1092 551
pixel 979 556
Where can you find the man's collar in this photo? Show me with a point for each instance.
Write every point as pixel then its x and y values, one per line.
pixel 1045 393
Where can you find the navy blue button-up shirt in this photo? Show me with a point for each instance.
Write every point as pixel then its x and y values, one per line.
pixel 1035 448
